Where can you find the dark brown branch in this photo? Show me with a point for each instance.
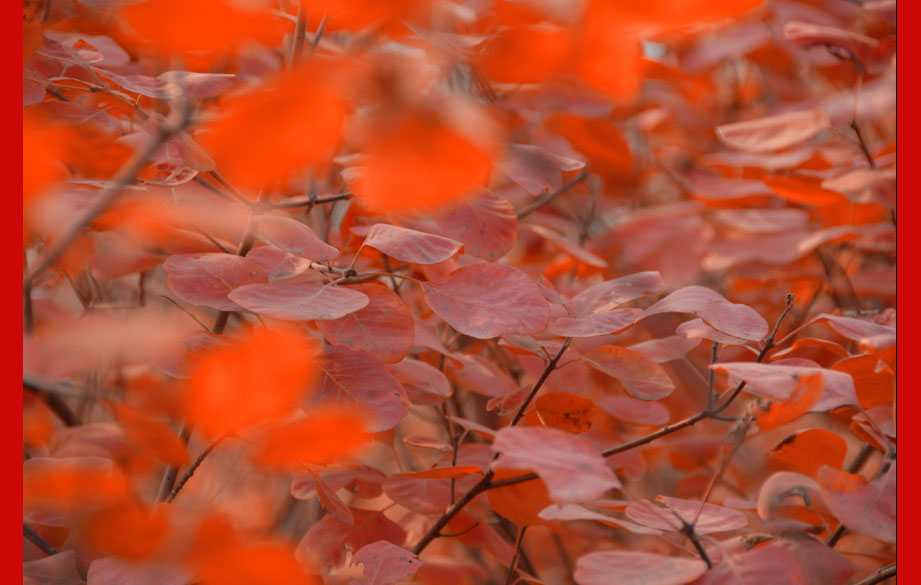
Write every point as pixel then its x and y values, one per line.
pixel 543 199
pixel 36 539
pixel 856 465
pixel 191 470
pixel 50 397
pixel 863 143
pixel 682 424
pixel 124 177
pixel 883 574
pixel 308 202
pixel 551 365
pixel 484 483
pixel 512 566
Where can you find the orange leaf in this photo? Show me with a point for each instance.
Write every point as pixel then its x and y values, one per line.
pixel 874 380
pixel 779 413
pixel 176 26
pixel 328 434
pixel 807 451
pixel 293 123
pixel 569 412
pixel 417 161
pixel 69 485
pixel 519 503
pixel 151 435
pixel 258 378
pixel 128 531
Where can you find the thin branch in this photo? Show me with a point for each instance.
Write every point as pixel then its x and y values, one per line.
pixel 191 470
pixel 883 574
pixel 682 424
pixel 687 529
pixel 307 202
pixel 512 566
pixel 300 35
pixel 172 471
pixel 551 365
pixel 533 206
pixel 856 465
pixel 106 197
pixel 855 126
pixel 712 375
pixel 36 539
pixel 470 528
pixel 49 395
pixel 484 483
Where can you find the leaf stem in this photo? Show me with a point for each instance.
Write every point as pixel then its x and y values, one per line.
pixel 543 199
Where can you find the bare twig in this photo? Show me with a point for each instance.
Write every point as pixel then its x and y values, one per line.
pixel 191 470
pixel 49 395
pixel 543 199
pixel 883 574
pixel 106 197
pixel 36 539
pixel 307 202
pixel 513 565
pixel 484 483
pixel 300 35
pixel 540 382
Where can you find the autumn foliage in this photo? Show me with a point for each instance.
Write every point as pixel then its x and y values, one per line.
pixel 459 292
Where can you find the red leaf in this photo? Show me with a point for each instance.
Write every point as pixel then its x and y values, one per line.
pixel 383 327
pixel 385 563
pixel 331 502
pixel 783 485
pixel 639 412
pixel 411 245
pixel 640 376
pixel 292 236
pixel 779 382
pixel 608 322
pixel 206 279
pixel 612 293
pixel 423 383
pixel 712 518
pixel 665 349
pixel 533 167
pixel 199 85
pixel 567 246
pixel 488 300
pixel 57 569
pixel 733 319
pixel 577 512
pixel 774 132
pixel 572 467
pixel 866 507
pixel 354 375
pixel 277 263
pixel 299 301
pixel 325 543
pixel 478 374
pixel 633 568
pixel 484 222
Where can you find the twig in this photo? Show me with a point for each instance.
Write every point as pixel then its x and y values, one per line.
pixel 191 470
pixel 50 397
pixel 172 471
pixel 863 143
pixel 855 466
pixel 533 206
pixel 712 375
pixel 300 35
pixel 307 202
pixel 484 483
pixel 682 424
pixel 511 568
pixel 540 381
pixel 107 196
pixel 36 539
pixel 881 575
